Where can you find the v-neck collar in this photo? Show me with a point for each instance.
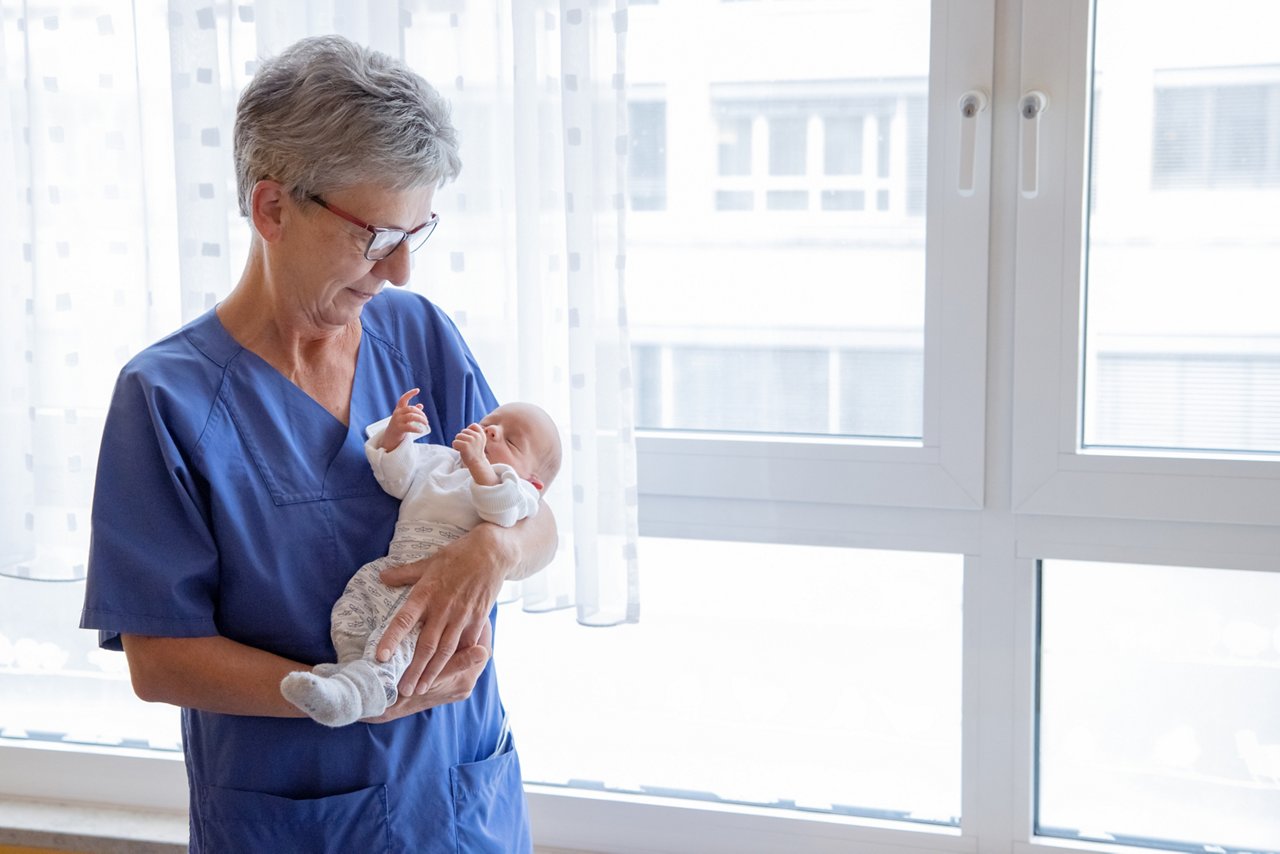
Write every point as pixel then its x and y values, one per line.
pixel 303 452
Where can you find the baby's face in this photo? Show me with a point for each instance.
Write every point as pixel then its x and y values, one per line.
pixel 522 437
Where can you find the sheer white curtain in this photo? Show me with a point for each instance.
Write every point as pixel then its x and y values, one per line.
pixel 118 223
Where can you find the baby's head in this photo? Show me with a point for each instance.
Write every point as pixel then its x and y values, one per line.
pixel 524 437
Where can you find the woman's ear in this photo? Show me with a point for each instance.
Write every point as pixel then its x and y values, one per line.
pixel 266 209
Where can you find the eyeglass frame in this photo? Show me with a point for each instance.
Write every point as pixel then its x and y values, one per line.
pixel 375 230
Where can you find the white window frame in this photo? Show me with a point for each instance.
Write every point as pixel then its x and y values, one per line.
pixel 944 469
pixel 1052 475
pixel 1091 505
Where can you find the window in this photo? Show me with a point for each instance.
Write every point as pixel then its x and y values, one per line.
pixel 871 391
pixel 1158 690
pixel 1181 331
pixel 820 307
pixel 41 657
pixel 788 306
pixel 842 144
pixel 1144 481
pixel 754 722
pixel 1164 363
pixel 647 168
pixel 735 145
pixel 822 151
pixel 1217 136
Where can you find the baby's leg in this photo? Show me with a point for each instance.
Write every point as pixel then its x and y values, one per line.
pixel 392 669
pixel 361 686
pixel 342 693
pixel 353 692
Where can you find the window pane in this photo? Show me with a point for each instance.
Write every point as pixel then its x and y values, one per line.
pixel 735 200
pixel 877 396
pixel 1160 706
pixel 822 141
pixel 838 690
pixel 787 200
pixel 735 145
pixel 884 150
pixel 647 166
pixel 787 140
pixel 843 145
pixel 843 200
pixel 58 686
pixel 1182 345
pixel 714 389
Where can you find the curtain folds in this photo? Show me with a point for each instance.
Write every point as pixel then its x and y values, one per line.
pixel 119 224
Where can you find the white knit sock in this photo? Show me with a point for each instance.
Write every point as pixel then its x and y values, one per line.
pixel 347 695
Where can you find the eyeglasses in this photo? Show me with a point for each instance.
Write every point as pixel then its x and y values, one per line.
pixel 384 241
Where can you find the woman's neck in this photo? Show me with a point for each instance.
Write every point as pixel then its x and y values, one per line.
pixel 318 358
pixel 263 315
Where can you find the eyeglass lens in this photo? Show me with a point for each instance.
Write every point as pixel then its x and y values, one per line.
pixel 420 237
pixel 383 243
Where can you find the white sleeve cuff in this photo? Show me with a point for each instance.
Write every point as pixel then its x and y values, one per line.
pixel 506 502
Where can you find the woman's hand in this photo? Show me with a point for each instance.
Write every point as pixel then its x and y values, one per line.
pixel 455 682
pixel 453 592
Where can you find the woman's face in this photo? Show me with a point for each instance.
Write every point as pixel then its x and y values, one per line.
pixel 323 260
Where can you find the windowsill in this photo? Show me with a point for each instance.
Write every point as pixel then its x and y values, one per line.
pixel 83 827
pixel 71 827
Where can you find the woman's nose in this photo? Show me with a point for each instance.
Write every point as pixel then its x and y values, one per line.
pixel 395 267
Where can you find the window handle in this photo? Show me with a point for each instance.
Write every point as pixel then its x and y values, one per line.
pixel 972 103
pixel 1032 107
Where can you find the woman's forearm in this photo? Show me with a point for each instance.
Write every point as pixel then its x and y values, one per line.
pixel 534 544
pixel 214 674
pixel 219 675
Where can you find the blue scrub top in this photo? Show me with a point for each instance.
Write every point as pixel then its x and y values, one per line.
pixel 228 502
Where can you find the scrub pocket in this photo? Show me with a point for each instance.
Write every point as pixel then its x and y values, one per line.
pixel 236 820
pixel 488 805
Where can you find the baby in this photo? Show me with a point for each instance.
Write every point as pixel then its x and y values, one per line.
pixel 495 472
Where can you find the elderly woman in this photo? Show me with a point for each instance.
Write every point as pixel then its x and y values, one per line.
pixel 234 501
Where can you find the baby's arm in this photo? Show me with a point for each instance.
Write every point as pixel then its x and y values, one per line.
pixel 395 461
pixel 405 421
pixel 508 501
pixel 470 446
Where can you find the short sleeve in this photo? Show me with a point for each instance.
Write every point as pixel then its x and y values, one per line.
pixel 153 562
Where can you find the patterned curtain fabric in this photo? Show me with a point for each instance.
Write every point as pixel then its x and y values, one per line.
pixel 118 224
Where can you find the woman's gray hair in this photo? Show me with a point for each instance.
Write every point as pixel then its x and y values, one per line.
pixel 327 114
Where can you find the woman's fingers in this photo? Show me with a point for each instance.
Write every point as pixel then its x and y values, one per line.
pixel 433 652
pixel 456 682
pixel 403 574
pixel 453 592
pixel 448 616
pixel 405 619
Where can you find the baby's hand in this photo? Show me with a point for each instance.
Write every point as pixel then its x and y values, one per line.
pixel 470 445
pixel 407 420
